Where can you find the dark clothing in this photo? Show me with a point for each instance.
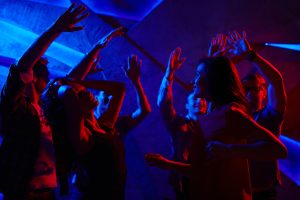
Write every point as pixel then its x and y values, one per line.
pixel 21 132
pixel 100 173
pixel 265 175
pixel 265 195
pixel 181 130
pixel 105 168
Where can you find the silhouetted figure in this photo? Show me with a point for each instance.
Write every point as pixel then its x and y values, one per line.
pixel 264 85
pixel 179 126
pixel 219 167
pixel 27 161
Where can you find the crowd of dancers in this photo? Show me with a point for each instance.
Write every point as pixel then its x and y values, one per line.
pixel 225 147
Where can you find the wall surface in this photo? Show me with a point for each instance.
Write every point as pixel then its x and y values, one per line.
pixel 189 24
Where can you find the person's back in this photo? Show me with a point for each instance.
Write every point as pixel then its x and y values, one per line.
pixel 225 178
pixel 265 175
pixel 21 136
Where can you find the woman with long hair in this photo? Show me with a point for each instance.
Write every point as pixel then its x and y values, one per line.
pixel 219 152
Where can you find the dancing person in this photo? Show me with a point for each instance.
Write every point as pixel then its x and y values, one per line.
pixel 219 167
pixel 263 85
pixel 126 123
pixel 179 126
pixel 27 160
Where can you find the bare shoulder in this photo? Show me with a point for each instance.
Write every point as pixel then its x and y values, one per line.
pixel 235 110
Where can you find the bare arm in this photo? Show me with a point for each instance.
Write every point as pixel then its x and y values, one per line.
pixel 65 23
pixel 157 160
pixel 91 60
pixel 133 71
pixel 117 91
pixel 276 89
pixel 165 95
pixel 265 146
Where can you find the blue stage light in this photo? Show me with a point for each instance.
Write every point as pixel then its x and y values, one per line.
pixel 291 165
pixel 295 47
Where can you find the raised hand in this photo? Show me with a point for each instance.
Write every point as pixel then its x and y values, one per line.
pixel 67 21
pixel 218 46
pixel 103 42
pixel 94 68
pixel 175 60
pixel 133 69
pixel 239 45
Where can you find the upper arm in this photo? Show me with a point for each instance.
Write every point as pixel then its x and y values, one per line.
pixel 245 127
pixel 110 117
pixel 277 96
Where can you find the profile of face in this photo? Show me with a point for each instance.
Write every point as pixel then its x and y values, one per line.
pixel 256 93
pixel 104 101
pixel 200 83
pixel 86 99
pixel 196 105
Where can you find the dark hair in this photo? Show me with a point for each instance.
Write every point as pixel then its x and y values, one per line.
pixel 55 113
pixel 40 68
pixel 224 84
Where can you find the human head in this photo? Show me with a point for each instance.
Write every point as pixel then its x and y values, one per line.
pixel 195 105
pixel 217 81
pixel 256 90
pixel 41 75
pixel 87 101
pixel 104 100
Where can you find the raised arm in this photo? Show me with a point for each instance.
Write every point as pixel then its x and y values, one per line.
pixel 276 89
pixel 165 94
pixel 65 23
pixel 117 92
pixel 133 72
pixel 89 62
pixel 218 46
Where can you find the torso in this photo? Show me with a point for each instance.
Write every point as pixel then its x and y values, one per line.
pixel 221 179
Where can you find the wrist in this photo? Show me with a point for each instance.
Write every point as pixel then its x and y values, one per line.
pixel 56 28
